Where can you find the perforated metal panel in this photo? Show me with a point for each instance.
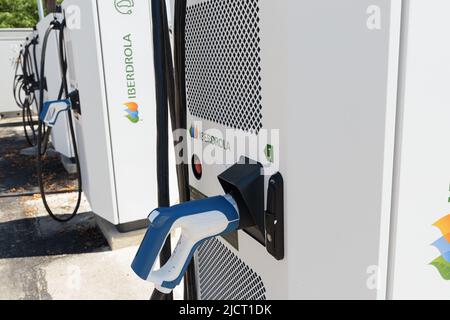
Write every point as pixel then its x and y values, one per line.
pixel 223 276
pixel 223 63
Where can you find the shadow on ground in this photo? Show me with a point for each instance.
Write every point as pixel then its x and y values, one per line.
pixel 18 172
pixel 15 124
pixel 43 236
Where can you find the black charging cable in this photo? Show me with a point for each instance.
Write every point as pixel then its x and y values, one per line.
pixel 44 135
pixel 162 119
pixel 27 83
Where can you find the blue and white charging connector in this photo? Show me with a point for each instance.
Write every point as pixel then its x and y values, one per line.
pixel 52 109
pixel 199 221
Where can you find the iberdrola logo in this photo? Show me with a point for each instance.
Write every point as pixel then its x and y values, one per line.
pixel 194 132
pixel 124 6
pixel 443 245
pixel 132 111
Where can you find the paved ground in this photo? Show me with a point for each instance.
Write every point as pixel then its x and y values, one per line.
pixel 18 173
pixel 42 259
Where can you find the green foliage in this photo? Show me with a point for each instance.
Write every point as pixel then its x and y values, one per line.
pixel 18 13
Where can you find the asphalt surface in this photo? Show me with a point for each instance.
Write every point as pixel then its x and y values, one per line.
pixel 24 232
pixel 41 259
pixel 18 172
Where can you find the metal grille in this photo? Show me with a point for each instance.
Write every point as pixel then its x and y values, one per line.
pixel 223 276
pixel 223 63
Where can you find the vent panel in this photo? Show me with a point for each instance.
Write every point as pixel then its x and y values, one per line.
pixel 223 276
pixel 223 63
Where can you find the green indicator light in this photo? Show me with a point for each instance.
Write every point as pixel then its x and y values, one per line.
pixel 269 152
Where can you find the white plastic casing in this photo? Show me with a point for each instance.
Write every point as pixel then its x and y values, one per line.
pixel 10 46
pixel 359 91
pixel 118 157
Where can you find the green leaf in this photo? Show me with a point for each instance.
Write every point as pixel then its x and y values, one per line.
pixel 443 267
pixel 134 120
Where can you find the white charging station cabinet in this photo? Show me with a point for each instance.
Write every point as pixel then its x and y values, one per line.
pixel 110 54
pixel 364 156
pixel 35 35
pixel 417 269
pixel 60 136
pixel 10 46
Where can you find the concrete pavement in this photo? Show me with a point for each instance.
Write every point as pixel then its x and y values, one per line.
pixel 41 259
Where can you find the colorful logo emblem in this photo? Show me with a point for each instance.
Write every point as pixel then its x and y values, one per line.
pixel 194 132
pixel 442 263
pixel 132 111
pixel 124 6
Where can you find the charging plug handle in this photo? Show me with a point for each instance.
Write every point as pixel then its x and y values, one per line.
pixel 52 109
pixel 199 221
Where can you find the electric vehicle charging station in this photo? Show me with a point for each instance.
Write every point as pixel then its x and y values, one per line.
pixel 345 214
pixel 327 92
pixel 60 135
pixel 110 65
pixel 10 42
pixel 323 120
pixel 419 261
pixel 317 142
pixel 25 83
pixel 34 37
